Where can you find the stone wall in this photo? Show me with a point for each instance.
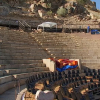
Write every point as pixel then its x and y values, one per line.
pixel 4 10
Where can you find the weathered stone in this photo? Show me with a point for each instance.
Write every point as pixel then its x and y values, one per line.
pixel 44 5
pixel 41 13
pixel 6 86
pixel 4 10
pixel 33 8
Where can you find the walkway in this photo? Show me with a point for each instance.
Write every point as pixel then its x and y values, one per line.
pixel 87 35
pixel 10 94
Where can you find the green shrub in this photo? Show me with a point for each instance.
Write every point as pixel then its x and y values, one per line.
pixel 61 11
pixel 82 2
pixel 49 13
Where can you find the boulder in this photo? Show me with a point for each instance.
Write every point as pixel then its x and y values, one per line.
pixel 40 13
pixel 44 5
pixel 33 8
pixel 92 16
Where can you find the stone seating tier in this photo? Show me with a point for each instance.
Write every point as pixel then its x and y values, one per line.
pixel 20 57
pixel 21 66
pixel 20 50
pixel 63 45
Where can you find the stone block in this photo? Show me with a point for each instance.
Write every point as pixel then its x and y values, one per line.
pixel 50 64
pixel 6 79
pixel 30 70
pixel 23 70
pixel 6 86
pixel 20 76
pixel 12 71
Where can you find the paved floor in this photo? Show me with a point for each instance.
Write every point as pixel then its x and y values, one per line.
pixel 10 94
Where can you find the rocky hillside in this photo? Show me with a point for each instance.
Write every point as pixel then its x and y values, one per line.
pixel 48 8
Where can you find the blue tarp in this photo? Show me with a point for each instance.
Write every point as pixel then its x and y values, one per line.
pixel 95 32
pixel 66 67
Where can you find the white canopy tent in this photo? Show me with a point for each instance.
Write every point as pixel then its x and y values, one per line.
pixel 47 24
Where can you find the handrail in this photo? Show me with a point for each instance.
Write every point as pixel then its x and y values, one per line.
pixel 27 24
pixel 21 25
pixel 24 26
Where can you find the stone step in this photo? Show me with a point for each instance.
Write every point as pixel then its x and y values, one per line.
pixel 18 57
pixel 75 57
pixel 6 79
pixel 21 66
pixel 39 53
pixel 72 49
pixel 27 59
pixel 90 60
pixel 55 46
pixel 26 70
pixel 18 61
pixel 23 55
pixel 82 54
pixel 7 82
pixel 57 40
pixel 65 40
pixel 26 75
pixel 1 73
pixel 22 50
pixel 69 46
pixel 6 86
pixel 15 50
pixel 19 47
pixel 49 45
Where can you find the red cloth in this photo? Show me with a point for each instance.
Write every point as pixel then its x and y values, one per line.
pixel 63 62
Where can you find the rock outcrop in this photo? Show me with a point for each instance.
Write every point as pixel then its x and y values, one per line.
pixel 48 8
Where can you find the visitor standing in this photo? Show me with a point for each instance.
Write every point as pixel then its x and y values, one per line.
pixel 88 29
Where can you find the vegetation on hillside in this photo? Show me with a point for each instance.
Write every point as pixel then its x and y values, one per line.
pixel 49 7
pixel 82 2
pixel 62 11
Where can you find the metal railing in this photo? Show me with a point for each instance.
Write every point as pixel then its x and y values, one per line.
pixel 24 26
pixel 27 26
pixel 21 26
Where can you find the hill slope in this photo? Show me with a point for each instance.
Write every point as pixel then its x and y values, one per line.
pixel 48 8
